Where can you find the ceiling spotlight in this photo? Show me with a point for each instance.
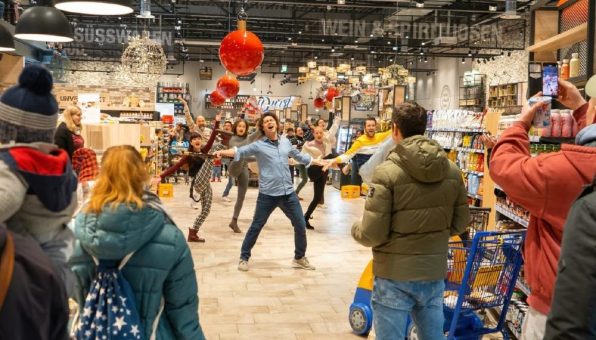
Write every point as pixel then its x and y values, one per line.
pixel 391 60
pixel 421 52
pixel 352 58
pixel 201 61
pixel 177 27
pixel 492 8
pixel 316 57
pixel 96 7
pixel 509 53
pixel 179 21
pixel 356 41
pixel 484 61
pixel 299 32
pixel 425 59
pixel 332 48
pixel 389 43
pixel 323 40
pixel 290 38
pixel 492 59
pixel 372 35
pixel 411 62
pixel 419 3
pixel 463 60
pixel 423 43
pixel 469 53
pixel 341 2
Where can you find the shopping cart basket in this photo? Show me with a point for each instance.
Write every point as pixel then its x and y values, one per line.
pixel 481 275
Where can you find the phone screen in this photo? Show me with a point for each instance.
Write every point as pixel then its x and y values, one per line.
pixel 550 82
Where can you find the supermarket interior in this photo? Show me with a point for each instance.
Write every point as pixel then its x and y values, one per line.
pixel 433 161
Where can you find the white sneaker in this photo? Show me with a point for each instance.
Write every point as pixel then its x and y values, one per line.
pixel 243 265
pixel 194 205
pixel 300 263
pixel 226 199
pixel 322 206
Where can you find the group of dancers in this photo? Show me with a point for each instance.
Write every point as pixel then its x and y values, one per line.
pixel 275 154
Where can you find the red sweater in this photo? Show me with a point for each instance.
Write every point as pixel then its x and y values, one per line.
pixel 546 186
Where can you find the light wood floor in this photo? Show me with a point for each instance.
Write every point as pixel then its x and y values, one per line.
pixel 274 300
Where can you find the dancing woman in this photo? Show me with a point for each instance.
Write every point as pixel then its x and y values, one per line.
pixel 318 148
pixel 200 168
pixel 239 169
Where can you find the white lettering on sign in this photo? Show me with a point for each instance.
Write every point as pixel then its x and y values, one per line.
pixel 274 103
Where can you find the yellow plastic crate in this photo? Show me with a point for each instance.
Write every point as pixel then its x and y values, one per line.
pixel 350 191
pixel 364 189
pixel 165 190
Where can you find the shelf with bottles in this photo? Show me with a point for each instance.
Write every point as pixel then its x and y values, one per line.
pixel 136 115
pixel 170 92
pixel 512 211
pixel 472 90
pixel 235 103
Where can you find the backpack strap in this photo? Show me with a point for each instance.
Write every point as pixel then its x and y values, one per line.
pixel 6 267
pixel 123 262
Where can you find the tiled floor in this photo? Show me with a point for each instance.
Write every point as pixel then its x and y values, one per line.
pixel 274 300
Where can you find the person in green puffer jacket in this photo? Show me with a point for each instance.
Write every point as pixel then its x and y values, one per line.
pixel 121 218
pixel 417 200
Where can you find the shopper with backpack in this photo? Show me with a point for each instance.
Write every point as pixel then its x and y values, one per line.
pixel 134 270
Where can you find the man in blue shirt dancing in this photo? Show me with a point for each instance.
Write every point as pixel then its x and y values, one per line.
pixel 275 187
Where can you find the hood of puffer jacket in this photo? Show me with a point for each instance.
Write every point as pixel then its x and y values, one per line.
pixel 114 233
pixel 421 158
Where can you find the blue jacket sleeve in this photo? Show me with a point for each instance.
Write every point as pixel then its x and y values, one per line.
pixel 301 157
pixel 246 151
pixel 181 296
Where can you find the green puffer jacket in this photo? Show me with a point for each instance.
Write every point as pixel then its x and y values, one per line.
pixel 161 267
pixel 416 202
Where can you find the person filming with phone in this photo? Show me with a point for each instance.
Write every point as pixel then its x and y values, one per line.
pixel 546 186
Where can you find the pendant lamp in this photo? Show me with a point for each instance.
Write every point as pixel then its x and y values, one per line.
pixel 44 23
pixel 95 7
pixel 6 40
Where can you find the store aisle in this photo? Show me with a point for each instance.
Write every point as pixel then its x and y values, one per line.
pixel 274 300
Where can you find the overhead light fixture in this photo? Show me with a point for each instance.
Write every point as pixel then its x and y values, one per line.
pixel 290 38
pixel 372 35
pixel 6 40
pixel 425 59
pixel 44 23
pixel 509 53
pixel 463 60
pixel 510 10
pixel 419 3
pixel 332 48
pixel 469 53
pixel 95 7
pixel 423 43
pixel 492 8
pixel 389 43
pixel 341 2
pixel 356 41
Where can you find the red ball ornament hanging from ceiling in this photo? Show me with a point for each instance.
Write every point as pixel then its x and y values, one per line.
pixel 332 92
pixel 216 99
pixel 228 86
pixel 319 103
pixel 241 52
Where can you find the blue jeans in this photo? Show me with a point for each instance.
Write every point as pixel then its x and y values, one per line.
pixel 357 161
pixel 290 205
pixel 393 301
pixel 217 172
pixel 228 186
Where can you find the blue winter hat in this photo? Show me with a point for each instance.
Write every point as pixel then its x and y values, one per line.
pixel 586 135
pixel 29 111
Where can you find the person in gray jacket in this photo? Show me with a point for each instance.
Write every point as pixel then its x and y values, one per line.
pixel 37 183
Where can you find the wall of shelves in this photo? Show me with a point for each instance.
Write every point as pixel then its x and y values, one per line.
pixel 170 92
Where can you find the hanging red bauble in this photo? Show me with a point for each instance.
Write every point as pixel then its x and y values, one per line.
pixel 228 86
pixel 216 99
pixel 241 51
pixel 319 103
pixel 332 92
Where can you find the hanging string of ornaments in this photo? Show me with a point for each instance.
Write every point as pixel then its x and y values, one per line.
pixel 241 52
pixel 325 97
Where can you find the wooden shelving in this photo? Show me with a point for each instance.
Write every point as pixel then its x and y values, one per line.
pixel 561 40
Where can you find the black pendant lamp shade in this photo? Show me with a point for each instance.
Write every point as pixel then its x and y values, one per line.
pixel 6 40
pixel 43 23
pixel 96 7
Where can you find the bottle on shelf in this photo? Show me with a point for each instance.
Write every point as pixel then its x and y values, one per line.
pixel 565 69
pixel 574 65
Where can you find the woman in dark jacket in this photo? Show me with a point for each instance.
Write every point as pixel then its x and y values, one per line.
pixel 68 135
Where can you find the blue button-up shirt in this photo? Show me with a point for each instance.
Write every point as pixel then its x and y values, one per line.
pixel 272 157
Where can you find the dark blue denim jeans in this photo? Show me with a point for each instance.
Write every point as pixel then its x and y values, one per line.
pixel 290 205
pixel 357 161
pixel 393 301
pixel 228 186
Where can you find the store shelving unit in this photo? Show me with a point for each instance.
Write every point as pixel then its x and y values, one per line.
pixel 389 97
pixel 232 104
pixel 472 91
pixel 574 32
pixel 507 97
pixel 170 92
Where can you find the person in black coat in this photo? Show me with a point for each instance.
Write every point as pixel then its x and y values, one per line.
pixel 68 134
pixel 572 314
pixel 36 306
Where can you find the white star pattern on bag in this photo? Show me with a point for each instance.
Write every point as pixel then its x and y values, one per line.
pixel 119 323
pixel 87 311
pixel 135 330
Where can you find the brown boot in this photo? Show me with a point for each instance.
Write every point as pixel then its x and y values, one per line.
pixel 234 225
pixel 193 237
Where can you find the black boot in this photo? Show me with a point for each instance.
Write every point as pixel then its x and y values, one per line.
pixel 308 226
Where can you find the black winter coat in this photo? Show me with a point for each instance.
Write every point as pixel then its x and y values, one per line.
pixel 36 306
pixel 572 315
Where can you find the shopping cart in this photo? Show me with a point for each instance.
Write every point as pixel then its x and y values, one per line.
pixel 487 262
pixel 481 276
